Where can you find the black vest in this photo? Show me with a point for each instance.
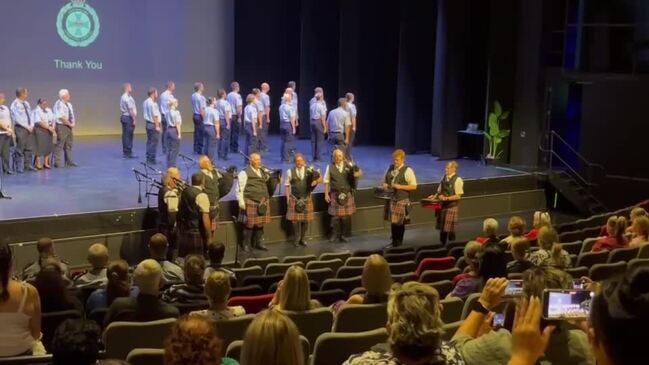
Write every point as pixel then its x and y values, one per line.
pixel 400 179
pixel 211 187
pixel 340 181
pixel 256 188
pixel 189 215
pixel 163 210
pixel 299 187
pixel 448 189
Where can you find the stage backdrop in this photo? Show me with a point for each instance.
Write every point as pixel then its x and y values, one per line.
pixel 92 47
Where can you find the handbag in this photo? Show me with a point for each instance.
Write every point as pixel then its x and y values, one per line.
pixel 342 198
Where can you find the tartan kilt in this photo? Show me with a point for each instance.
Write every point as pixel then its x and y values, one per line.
pixel 250 217
pixel 214 217
pixel 447 218
pixel 191 242
pixel 294 216
pixel 338 210
pixel 396 211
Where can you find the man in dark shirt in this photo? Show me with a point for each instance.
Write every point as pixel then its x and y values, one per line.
pixel 146 306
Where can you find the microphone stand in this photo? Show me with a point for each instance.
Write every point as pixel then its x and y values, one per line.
pixel 187 163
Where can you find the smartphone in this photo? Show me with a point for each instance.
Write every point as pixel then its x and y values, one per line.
pixel 514 289
pixel 498 321
pixel 564 304
pixel 577 284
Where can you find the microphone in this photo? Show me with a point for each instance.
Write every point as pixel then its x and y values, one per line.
pixel 150 168
pixel 186 158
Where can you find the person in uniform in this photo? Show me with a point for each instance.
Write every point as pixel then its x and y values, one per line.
pixel 260 119
pixel 401 179
pixel 212 132
pixel 449 192
pixel 339 193
pixel 174 133
pixel 265 103
pixel 225 121
pixel 287 127
pixel 165 98
pixel 254 202
pixel 291 85
pixel 298 184
pixel 211 188
pixel 194 218
pixel 6 137
pixel 339 126
pixel 151 113
pixel 351 109
pixel 127 118
pixel 236 105
pixel 318 114
pixel 24 129
pixel 65 123
pixel 198 108
pixel 44 132
pixel 250 123
pixel 168 199
pixel 316 91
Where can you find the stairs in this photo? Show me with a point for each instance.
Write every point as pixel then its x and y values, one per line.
pixel 576 193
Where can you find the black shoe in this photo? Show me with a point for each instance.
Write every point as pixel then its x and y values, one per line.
pixel 333 239
pixel 130 156
pixel 72 164
pixel 343 239
pixel 261 247
pixel 302 243
pixel 295 244
pixel 391 245
pixel 246 248
pixel 9 172
pixel 30 168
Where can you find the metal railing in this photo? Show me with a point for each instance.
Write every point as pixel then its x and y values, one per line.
pixel 556 140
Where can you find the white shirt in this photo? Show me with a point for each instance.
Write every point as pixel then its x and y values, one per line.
pixel 165 98
pixel 202 201
pixel 211 116
pixel 250 113
pixel 327 177
pixel 224 108
pixel 174 120
pixel 409 175
pixel 198 102
pixel 127 104
pixel 458 186
pixel 21 113
pixel 151 110
pixel 301 171
pixel 242 179
pixel 318 110
pixel 234 98
pixel 43 116
pixel 171 199
pixel 5 119
pixel 63 110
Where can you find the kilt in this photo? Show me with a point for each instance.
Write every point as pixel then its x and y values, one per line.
pixel 294 216
pixel 214 215
pixel 447 218
pixel 190 242
pixel 250 217
pixel 396 211
pixel 338 210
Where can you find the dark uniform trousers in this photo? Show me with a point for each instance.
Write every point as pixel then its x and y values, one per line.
pixel 337 141
pixel 251 140
pixel 317 139
pixel 234 133
pixel 198 133
pixel 127 135
pixel 64 140
pixel 211 143
pixel 224 142
pixel 163 122
pixel 352 136
pixel 5 144
pixel 25 143
pixel 263 135
pixel 286 145
pixel 152 139
pixel 173 146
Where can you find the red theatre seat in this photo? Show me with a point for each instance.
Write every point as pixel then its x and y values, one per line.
pixel 252 304
pixel 435 263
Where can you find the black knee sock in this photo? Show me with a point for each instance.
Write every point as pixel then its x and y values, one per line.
pixel 247 237
pixel 346 228
pixel 443 237
pixel 393 229
pixel 451 236
pixel 303 230
pixel 335 227
pixel 400 229
pixel 297 231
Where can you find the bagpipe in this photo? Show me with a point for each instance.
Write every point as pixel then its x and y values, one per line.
pixel 311 174
pixel 352 168
pixel 226 179
pixel 387 193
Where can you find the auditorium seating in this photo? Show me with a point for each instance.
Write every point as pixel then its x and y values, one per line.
pixel 304 259
pixel 146 357
pixel 643 253
pixel 578 272
pixel 333 264
pixel 452 309
pixel 635 263
pixel 601 272
pixel 443 287
pixel 441 263
pixel 312 323
pixel 264 281
pixel 346 285
pixel 456 252
pixel 243 273
pixel 122 337
pixel 404 267
pixel 404 278
pixel 356 261
pixel 589 259
pixel 587 245
pixel 622 254
pixel 334 348
pixel 399 257
pixel 320 275
pixel 185 308
pixel 365 253
pixel 329 297
pixel 431 276
pixel 230 330
pixel 252 304
pixel 233 351
pixel 247 290
pixel 51 320
pixel 349 271
pixel 573 248
pixel 277 268
pixel 401 249
pixel 360 317
pixel 342 255
pixel 260 261
pixel 26 360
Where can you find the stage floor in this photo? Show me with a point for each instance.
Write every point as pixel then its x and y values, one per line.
pixel 105 182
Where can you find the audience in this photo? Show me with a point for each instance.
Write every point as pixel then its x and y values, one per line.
pixel 193 341
pixel 540 220
pixel 118 286
pixel 414 331
pixel 550 252
pixel 376 280
pixel 215 253
pixel 491 264
pixel 158 246
pixel 294 292
pixel 53 289
pixel 191 291
pixel 217 291
pixel 272 339
pixel 20 310
pixel 471 251
pixel 516 228
pixel 490 229
pixel 640 229
pixel 98 259
pixel 45 248
pixel 146 306
pixel 76 342
pixel 615 229
pixel 520 263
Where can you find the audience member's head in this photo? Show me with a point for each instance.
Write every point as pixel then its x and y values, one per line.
pixel 490 227
pixel 295 292
pixel 537 279
pixel 619 316
pixel 52 287
pixel 376 277
pixel 471 251
pixel 193 341
pixel 414 323
pixel 215 252
pixel 519 249
pixel 118 285
pixel 541 219
pixel 76 342
pixel 194 269
pixel 636 213
pixel 45 247
pixel 641 227
pixel 148 276
pixel 272 339
pixel 6 264
pixel 492 263
pixel 217 289
pixel 516 226
pixel 548 240
pixel 98 255
pixel 616 226
pixel 158 246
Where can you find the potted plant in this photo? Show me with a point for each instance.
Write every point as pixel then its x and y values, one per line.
pixel 494 134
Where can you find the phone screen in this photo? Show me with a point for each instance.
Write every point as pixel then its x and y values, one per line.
pixel 577 284
pixel 566 304
pixel 498 320
pixel 514 289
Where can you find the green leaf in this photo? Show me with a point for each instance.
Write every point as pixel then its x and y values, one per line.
pixel 494 127
pixel 488 136
pixel 503 134
pixel 505 115
pixel 497 108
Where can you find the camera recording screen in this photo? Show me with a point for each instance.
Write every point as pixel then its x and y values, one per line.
pixel 567 304
pixel 514 288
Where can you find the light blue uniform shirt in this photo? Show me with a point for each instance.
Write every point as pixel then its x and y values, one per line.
pixel 265 100
pixel 61 110
pixel 21 113
pixel 223 107
pixel 286 112
pixel 250 113
pixel 352 109
pixel 39 115
pixel 337 120
pixel 318 110
pixel 127 104
pixel 294 102
pixel 165 98
pixel 174 119
pixel 259 105
pixel 5 119
pixel 198 102
pixel 211 116
pixel 151 110
pixel 235 101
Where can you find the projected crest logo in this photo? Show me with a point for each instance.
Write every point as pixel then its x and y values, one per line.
pixel 77 24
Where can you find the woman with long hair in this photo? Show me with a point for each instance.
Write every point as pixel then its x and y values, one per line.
pixel 540 220
pixel 294 292
pixel 640 232
pixel 118 286
pixel 272 339
pixel 615 227
pixel 516 228
pixel 377 281
pixel 53 289
pixel 550 252
pixel 491 264
pixel 193 341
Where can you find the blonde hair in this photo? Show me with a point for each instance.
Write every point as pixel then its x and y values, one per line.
pixel 272 339
pixel 549 240
pixel 414 324
pixel 471 253
pixel 641 226
pixel 616 225
pixel 295 293
pixel 217 287
pixel 376 277
pixel 399 153
pixel 452 164
pixel 490 225
pixel 98 255
pixel 520 248
pixel 169 176
pixel 147 276
pixel 638 212
pixel 516 226
pixel 541 219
